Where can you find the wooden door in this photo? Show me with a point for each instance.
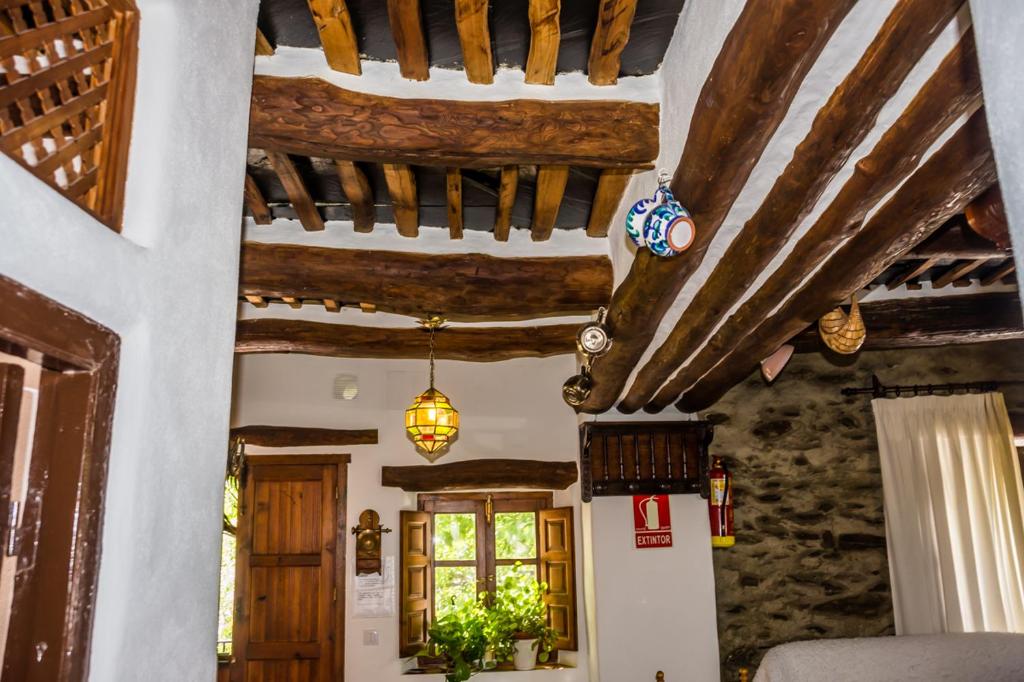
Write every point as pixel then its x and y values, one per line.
pixel 290 567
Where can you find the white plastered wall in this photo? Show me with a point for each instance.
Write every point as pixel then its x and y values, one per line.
pixel 167 288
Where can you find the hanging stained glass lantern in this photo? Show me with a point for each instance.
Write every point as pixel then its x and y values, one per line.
pixel 432 421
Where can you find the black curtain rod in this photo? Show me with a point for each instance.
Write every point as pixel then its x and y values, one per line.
pixel 878 390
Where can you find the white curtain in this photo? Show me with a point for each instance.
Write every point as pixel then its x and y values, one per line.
pixel 953 512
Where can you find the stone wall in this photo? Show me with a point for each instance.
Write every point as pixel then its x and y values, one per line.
pixel 810 556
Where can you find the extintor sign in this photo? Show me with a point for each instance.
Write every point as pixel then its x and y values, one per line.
pixel 652 523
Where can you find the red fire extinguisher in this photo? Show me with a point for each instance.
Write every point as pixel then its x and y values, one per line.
pixel 720 505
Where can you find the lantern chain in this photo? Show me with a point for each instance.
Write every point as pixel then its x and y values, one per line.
pixel 432 330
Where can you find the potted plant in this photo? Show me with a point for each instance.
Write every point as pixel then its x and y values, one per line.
pixel 459 638
pixel 517 625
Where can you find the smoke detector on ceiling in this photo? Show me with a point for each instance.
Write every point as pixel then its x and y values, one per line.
pixel 346 387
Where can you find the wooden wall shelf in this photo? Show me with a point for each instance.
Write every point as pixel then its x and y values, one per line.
pixel 644 458
pixel 477 474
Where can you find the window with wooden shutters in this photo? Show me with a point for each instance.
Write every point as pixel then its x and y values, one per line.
pixel 67 85
pixel 460 544
pixel 289 587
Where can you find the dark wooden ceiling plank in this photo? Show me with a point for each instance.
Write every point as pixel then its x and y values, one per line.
pixel 941 187
pixel 470 344
pixel 1004 269
pixel 312 117
pixel 475 38
pixel 912 272
pixel 360 197
pixel 953 90
pixel 610 188
pixel 459 286
pixel 547 198
pixel 298 195
pixel 614 19
pixel 932 321
pixel 838 129
pixel 506 200
pixel 407 30
pixel 453 184
pixel 545 37
pixel 337 36
pixel 957 272
pixel 256 203
pixel 302 436
pixel 402 187
pixel 765 57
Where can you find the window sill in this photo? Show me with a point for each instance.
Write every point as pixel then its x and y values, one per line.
pixel 507 668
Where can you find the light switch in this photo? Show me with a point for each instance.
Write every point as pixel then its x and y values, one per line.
pixel 371 638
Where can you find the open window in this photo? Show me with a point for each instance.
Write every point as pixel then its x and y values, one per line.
pixel 457 545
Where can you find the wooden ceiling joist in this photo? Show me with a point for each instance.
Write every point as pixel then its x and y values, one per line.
pixel 312 117
pixel 257 301
pixel 957 240
pixel 298 195
pixel 957 272
pixel 547 198
pixel 614 19
pixel 453 184
pixel 407 31
pixel 256 203
pixel 459 286
pixel 506 200
pixel 1003 270
pixel 545 37
pixel 402 188
pixel 470 344
pixel 334 24
pixel 475 38
pixel 911 273
pixel 932 321
pixel 941 187
pixel 766 55
pixel 953 90
pixel 610 188
pixel 302 436
pixel 263 46
pixel 360 196
pixel 839 127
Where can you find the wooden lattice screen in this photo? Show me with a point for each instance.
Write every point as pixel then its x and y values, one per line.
pixel 67 84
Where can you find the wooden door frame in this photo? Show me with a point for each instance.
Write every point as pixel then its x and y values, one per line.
pixel 340 551
pixel 55 604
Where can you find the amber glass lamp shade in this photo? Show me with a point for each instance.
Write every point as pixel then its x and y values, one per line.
pixel 432 422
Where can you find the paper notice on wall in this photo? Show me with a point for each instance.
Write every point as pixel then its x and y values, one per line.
pixel 375 592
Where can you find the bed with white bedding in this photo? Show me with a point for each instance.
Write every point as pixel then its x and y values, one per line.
pixel 987 657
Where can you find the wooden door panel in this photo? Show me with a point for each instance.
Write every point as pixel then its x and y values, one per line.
pixel 289 623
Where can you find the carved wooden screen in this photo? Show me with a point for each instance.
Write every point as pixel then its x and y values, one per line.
pixel 67 84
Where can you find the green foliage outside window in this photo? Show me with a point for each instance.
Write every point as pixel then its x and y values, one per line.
pixel 227 566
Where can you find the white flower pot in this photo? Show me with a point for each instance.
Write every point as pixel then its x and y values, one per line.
pixel 526 654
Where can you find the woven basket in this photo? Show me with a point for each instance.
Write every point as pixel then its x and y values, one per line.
pixel 844 333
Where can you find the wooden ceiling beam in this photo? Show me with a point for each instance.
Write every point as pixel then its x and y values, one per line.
pixel 459 286
pixel 548 195
pixel 470 344
pixel 911 273
pixel 545 37
pixel 407 31
pixel 263 46
pixel 312 117
pixel 475 38
pixel 614 19
pixel 402 187
pixel 957 272
pixel 953 90
pixel 932 321
pixel 360 196
pixel 610 188
pixel 301 436
pixel 838 129
pixel 453 183
pixel 506 201
pixel 1004 269
pixel 298 195
pixel 338 37
pixel 256 203
pixel 941 187
pixel 766 55
pixel 481 474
